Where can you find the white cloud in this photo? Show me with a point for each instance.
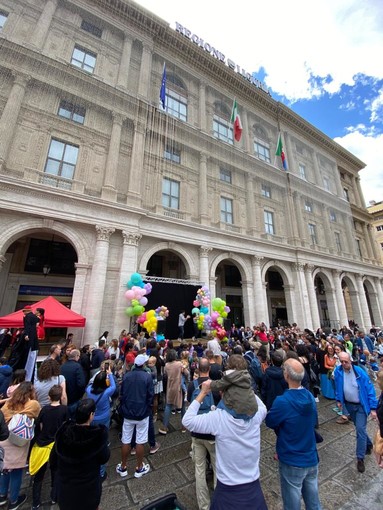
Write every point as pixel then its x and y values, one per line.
pixel 306 49
pixel 368 148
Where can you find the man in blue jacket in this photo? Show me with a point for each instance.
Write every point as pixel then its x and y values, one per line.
pixel 355 391
pixel 293 417
pixel 136 402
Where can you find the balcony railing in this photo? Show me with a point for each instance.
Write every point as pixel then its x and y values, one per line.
pixel 55 181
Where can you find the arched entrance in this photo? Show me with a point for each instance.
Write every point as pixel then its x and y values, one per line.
pixel 38 265
pixel 276 299
pixel 166 264
pixel 229 288
pixel 352 302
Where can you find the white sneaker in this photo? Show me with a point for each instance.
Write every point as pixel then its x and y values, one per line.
pixel 121 471
pixel 143 471
pixel 317 400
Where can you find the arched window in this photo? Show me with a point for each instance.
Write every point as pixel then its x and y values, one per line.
pixel 261 144
pixel 175 98
pixel 222 127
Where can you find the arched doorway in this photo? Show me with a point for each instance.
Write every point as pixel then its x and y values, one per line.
pixel 167 273
pixel 229 288
pixel 38 265
pixel 276 299
pixel 166 264
pixel 352 302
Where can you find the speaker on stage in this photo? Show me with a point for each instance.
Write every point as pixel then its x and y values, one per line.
pixel 227 324
pixel 161 327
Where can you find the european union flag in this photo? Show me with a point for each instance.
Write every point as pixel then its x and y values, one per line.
pixel 163 88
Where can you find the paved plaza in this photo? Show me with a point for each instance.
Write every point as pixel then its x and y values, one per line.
pixel 172 470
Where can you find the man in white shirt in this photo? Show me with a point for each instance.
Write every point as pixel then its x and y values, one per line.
pixel 213 345
pixel 182 318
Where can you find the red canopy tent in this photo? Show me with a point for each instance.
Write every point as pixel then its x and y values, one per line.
pixel 56 316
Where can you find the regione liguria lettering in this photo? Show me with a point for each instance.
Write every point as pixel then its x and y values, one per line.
pixel 220 56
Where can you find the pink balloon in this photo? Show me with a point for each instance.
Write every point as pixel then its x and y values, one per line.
pixel 129 294
pixel 196 302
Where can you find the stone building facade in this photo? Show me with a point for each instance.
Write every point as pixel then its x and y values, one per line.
pixel 91 162
pixel 376 211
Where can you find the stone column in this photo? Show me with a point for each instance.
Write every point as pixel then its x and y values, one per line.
pixel 359 193
pixel 363 302
pixel 109 191
pixel 97 283
pixel 302 227
pixel 41 28
pixel 129 265
pixel 212 287
pixel 136 166
pixel 250 205
pixel 379 292
pixel 328 232
pixel 245 131
pixel 202 106
pixel 291 305
pixel 343 318
pixel 123 70
pixel 248 311
pixel 317 172
pixel 10 115
pixel 204 264
pixel 304 314
pixel 376 318
pixel 350 232
pixel 78 299
pixel 145 70
pixel 308 269
pixel 202 190
pixel 292 215
pixel 367 242
pixel 373 242
pixel 259 291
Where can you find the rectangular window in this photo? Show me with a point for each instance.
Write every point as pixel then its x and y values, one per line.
pixel 225 175
pixel 62 159
pixel 302 171
pixel 223 130
pixel 84 59
pixel 172 154
pixel 262 152
pixel 358 247
pixel 379 228
pixel 92 29
pixel 3 18
pixel 269 222
pixel 338 242
pixel 345 194
pixel 313 233
pixel 171 193
pixel 332 215
pixel 266 191
pixel 71 111
pixel 226 210
pixel 308 206
pixel 326 184
pixel 175 105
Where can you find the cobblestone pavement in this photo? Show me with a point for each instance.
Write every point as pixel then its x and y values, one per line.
pixel 172 470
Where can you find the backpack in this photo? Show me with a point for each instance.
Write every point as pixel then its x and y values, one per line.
pixel 21 429
pixel 207 403
pixel 254 368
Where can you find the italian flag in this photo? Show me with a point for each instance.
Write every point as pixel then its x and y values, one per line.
pixel 236 121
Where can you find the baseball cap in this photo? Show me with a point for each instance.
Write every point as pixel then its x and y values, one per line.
pixel 141 359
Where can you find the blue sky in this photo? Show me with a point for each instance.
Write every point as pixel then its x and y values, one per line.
pixel 322 58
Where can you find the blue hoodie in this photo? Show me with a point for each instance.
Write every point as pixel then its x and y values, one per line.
pixel 293 417
pixel 5 378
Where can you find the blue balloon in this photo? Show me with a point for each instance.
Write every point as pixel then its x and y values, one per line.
pixel 204 309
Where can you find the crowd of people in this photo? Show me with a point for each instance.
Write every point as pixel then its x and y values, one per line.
pixel 223 390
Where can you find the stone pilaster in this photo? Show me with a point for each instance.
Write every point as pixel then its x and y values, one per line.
pixel 308 269
pixel 10 115
pixel 202 190
pixel 123 70
pixel 343 318
pixel 97 283
pixel 41 28
pixel 129 263
pixel 204 264
pixel 2 261
pixel 363 302
pixel 250 205
pixel 109 191
pixel 136 167
pixel 260 302
pixel 202 106
pixel 145 71
pixel 304 311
